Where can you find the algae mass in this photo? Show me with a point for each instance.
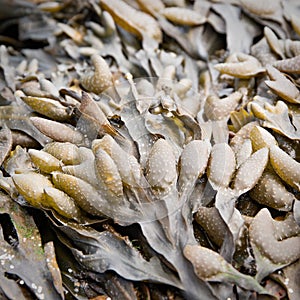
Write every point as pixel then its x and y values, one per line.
pixel 149 149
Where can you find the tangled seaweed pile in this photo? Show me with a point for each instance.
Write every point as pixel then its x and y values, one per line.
pixel 149 149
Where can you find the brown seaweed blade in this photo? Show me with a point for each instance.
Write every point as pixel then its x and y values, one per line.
pixel 270 251
pixel 217 109
pixel 193 162
pixel 161 166
pixel 221 166
pixel 130 122
pixel 23 256
pixel 210 266
pixel 127 164
pixel 250 171
pixel 281 86
pixel 277 118
pixel 110 183
pixel 5 143
pixel 240 65
pixel 182 16
pixel 133 20
pixel 285 166
pixel 91 112
pixel 57 131
pixel 100 79
pixel 289 65
pixel 270 191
